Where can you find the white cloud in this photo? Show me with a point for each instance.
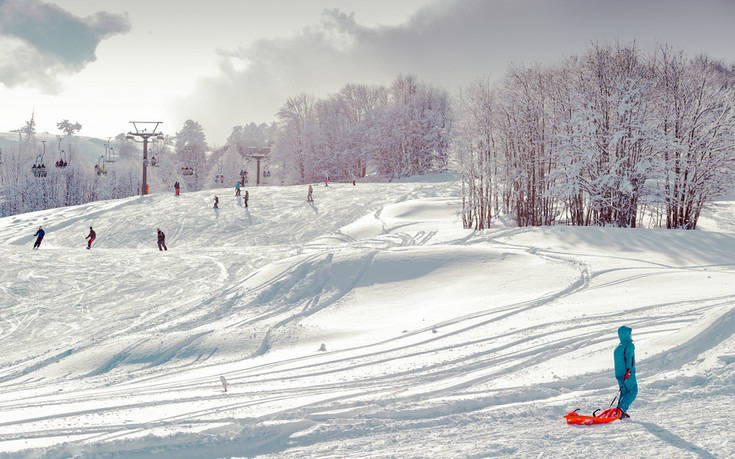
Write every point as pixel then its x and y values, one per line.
pixel 41 42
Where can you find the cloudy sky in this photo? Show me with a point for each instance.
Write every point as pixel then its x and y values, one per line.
pixel 227 62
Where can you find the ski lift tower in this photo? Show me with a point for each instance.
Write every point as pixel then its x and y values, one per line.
pixel 145 130
pixel 257 154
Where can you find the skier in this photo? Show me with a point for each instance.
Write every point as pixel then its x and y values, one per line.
pixel 40 234
pixel 309 197
pixel 216 202
pixel 177 188
pixel 237 189
pixel 91 236
pixel 625 370
pixel 161 240
pixel 247 196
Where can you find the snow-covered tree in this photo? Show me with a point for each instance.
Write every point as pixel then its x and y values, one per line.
pixel 402 130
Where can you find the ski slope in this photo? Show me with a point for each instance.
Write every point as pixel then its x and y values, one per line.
pixel 368 324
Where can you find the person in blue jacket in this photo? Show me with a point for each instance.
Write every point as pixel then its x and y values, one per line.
pixel 39 237
pixel 237 188
pixel 625 370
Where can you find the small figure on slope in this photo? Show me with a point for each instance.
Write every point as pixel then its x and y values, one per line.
pixel 625 370
pixel 161 240
pixel 177 188
pixel 216 202
pixel 91 236
pixel 237 188
pixel 309 197
pixel 39 237
pixel 247 196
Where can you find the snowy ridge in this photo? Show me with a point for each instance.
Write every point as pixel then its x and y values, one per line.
pixel 438 341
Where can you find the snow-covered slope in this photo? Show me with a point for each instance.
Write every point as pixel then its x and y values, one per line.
pixel 369 324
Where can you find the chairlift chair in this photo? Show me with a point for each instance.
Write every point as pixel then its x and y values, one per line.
pixel 220 177
pixel 61 162
pixel 39 168
pixel 99 168
pixel 110 156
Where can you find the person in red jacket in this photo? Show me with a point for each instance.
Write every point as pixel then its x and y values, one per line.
pixel 91 236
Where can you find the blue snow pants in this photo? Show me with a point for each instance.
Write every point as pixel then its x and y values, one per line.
pixel 628 392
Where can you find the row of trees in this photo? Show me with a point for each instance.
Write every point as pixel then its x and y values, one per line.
pixel 607 138
pixel 399 130
pixel 612 137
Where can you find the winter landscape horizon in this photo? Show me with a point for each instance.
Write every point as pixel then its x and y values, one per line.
pixel 341 228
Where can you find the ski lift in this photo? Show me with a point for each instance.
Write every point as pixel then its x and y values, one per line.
pixel 61 162
pixel 109 156
pixel 39 168
pixel 157 144
pixel 220 176
pixel 100 168
pixel 187 170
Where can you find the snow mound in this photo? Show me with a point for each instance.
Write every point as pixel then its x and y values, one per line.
pixel 369 323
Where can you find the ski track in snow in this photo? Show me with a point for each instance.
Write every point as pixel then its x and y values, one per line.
pixel 439 341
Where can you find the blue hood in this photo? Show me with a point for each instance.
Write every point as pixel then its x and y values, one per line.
pixel 624 333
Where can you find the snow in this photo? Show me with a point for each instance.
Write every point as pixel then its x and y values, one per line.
pixel 438 341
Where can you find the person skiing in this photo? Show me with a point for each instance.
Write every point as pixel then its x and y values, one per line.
pixel 309 197
pixel 625 370
pixel 161 240
pixel 39 237
pixel 237 188
pixel 91 236
pixel 216 202
pixel 177 188
pixel 247 196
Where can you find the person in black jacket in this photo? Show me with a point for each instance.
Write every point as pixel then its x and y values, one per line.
pixel 161 240
pixel 39 237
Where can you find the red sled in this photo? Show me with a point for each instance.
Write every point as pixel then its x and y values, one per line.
pixel 606 417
